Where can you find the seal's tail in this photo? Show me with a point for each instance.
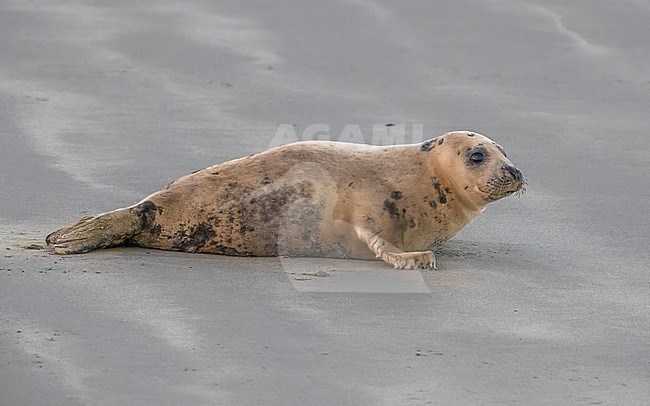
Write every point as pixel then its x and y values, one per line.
pixel 101 231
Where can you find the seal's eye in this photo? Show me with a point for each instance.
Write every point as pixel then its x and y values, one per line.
pixel 476 157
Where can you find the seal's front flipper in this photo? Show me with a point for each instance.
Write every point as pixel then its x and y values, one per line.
pixel 90 233
pixel 414 260
pixel 393 255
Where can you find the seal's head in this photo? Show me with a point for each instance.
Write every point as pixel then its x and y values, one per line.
pixel 476 167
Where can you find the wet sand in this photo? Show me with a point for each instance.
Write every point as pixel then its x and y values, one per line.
pixel 542 300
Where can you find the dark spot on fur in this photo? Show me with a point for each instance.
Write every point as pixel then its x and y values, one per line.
pixel 271 205
pixel 428 145
pixel 396 195
pixel 146 212
pixel 156 231
pixel 215 173
pixel 442 194
pixel 441 141
pixel 243 229
pixel 232 185
pixel 201 233
pixel 194 238
pixel 433 204
pixel 147 206
pixel 466 187
pixel 350 184
pixel 391 209
pixel 404 213
pixel 411 223
pixel 471 134
pixel 390 125
pixel 266 180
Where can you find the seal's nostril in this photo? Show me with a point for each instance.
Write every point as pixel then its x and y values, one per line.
pixel 516 173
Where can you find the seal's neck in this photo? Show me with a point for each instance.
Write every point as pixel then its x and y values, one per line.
pixel 467 204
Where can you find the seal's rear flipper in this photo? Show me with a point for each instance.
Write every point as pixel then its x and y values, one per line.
pixel 101 231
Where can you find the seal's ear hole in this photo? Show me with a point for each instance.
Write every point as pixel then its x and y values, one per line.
pixel 477 157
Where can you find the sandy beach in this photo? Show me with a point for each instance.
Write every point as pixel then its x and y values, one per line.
pixel 544 299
